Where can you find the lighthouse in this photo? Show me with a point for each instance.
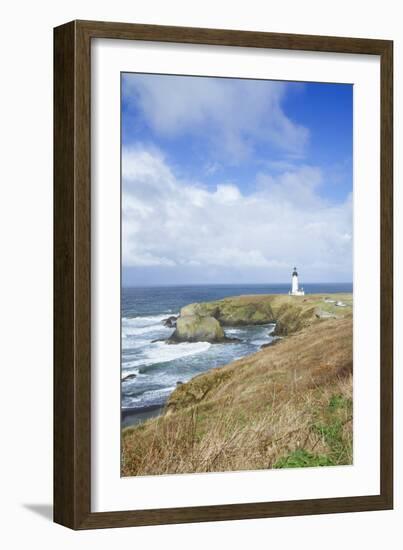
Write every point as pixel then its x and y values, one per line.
pixel 295 289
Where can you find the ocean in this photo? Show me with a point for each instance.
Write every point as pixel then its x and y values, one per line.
pixel 152 370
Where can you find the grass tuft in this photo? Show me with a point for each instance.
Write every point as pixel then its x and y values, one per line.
pixel 302 459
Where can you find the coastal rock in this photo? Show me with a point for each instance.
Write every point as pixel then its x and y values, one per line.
pixel 129 377
pixel 196 328
pixel 170 321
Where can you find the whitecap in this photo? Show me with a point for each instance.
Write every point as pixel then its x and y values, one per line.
pixel 160 352
pixel 133 343
pixel 144 321
pixel 150 326
pixel 150 397
pixel 234 331
pixel 134 331
pixel 260 342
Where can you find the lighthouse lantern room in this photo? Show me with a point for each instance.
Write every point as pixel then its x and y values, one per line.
pixel 295 289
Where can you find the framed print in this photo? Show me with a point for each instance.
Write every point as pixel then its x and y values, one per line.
pixel 222 275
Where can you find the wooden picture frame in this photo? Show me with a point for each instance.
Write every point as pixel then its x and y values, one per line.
pixel 72 271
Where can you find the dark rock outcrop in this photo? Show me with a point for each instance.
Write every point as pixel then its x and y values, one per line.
pixel 129 377
pixel 170 321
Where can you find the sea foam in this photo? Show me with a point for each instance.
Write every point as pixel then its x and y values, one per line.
pixel 148 398
pixel 160 352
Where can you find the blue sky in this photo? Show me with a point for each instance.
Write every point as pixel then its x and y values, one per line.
pixel 235 181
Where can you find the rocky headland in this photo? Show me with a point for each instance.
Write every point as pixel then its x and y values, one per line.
pixel 206 321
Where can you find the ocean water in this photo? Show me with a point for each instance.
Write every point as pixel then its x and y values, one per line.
pixel 158 367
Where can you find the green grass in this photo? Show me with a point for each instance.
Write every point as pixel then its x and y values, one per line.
pixel 339 401
pixel 302 459
pixel 331 429
pixel 331 432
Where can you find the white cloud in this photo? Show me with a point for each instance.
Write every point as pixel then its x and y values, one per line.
pixel 235 114
pixel 178 225
pixel 227 193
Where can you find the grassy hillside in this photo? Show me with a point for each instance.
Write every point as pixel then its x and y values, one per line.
pixel 289 405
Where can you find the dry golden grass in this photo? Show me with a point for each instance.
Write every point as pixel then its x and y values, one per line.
pixel 288 405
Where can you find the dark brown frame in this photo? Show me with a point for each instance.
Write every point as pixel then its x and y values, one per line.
pixel 72 267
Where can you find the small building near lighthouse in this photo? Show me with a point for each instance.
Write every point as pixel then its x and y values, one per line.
pixel 296 290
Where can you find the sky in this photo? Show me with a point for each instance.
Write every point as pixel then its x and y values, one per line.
pixel 235 180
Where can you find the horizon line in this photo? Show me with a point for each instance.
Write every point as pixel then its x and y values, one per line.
pixel 234 284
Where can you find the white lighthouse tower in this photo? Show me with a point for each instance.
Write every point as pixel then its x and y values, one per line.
pixel 295 289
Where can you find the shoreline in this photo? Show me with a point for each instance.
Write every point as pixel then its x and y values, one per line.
pixel 131 417
pixel 135 416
